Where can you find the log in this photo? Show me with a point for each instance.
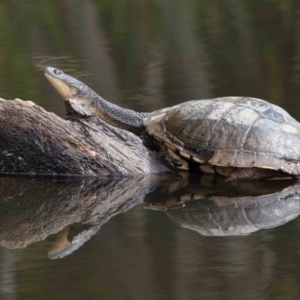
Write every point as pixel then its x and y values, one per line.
pixel 36 142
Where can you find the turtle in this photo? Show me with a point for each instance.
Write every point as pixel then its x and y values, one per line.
pixel 235 137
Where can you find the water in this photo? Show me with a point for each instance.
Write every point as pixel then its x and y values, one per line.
pixel 141 238
pixel 91 239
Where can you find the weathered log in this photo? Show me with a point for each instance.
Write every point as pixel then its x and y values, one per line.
pixel 36 142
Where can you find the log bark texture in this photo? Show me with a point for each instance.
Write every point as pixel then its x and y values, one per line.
pixel 36 142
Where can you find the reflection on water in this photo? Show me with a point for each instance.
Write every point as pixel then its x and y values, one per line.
pixel 121 247
pixel 225 210
pixel 31 210
pixel 75 210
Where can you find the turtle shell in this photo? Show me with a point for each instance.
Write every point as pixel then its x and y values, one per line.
pixel 230 132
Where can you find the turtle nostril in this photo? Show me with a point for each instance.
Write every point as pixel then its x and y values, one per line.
pixel 57 72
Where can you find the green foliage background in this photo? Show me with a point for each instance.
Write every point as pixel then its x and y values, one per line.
pixel 156 53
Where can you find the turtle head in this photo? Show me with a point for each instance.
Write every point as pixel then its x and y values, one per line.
pixel 71 88
pixel 67 86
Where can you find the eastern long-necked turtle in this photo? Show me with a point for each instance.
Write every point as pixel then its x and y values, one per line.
pixel 238 137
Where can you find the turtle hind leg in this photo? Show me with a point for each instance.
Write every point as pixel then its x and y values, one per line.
pixel 247 173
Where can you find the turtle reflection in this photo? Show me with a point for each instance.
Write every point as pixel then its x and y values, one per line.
pixel 232 210
pixel 71 238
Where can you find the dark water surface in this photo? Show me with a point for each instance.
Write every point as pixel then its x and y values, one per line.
pixel 150 237
pixel 153 237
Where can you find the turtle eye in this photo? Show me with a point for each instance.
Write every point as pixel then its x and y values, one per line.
pixel 57 72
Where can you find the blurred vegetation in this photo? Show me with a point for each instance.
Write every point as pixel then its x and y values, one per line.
pixel 149 54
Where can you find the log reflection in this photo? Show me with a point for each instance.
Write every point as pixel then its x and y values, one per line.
pixel 30 209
